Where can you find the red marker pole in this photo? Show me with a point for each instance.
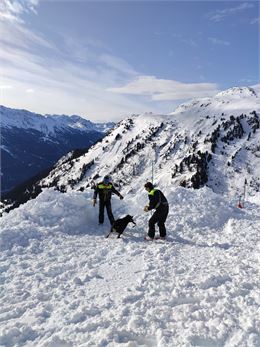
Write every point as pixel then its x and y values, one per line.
pixel 239 205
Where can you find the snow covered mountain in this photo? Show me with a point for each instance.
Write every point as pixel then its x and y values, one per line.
pixel 31 142
pixel 211 141
pixel 63 284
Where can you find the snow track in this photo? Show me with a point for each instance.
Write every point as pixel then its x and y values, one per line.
pixel 64 287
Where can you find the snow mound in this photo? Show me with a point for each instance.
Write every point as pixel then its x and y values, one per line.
pixel 64 284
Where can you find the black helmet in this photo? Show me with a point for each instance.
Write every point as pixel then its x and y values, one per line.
pixel 148 185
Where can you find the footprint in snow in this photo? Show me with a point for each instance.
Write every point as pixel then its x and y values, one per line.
pixel 78 281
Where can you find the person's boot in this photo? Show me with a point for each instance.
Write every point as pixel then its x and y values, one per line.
pixel 148 238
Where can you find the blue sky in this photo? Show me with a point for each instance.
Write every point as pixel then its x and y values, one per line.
pixel 107 59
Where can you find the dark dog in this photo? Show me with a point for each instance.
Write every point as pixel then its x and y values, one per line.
pixel 119 225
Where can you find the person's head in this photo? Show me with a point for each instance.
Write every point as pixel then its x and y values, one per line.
pixel 106 179
pixel 148 186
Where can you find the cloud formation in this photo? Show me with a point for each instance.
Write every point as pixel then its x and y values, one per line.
pixel 66 74
pixel 78 76
pixel 220 15
pixel 255 21
pixel 69 78
pixel 13 9
pixel 217 41
pixel 161 89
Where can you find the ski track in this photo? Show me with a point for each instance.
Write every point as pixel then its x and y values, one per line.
pixel 85 290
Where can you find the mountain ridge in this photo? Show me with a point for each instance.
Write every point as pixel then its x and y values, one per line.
pixel 223 127
pixel 31 143
pixel 48 123
pixel 213 143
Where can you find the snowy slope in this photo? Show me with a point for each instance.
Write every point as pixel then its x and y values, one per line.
pixel 209 142
pixel 64 284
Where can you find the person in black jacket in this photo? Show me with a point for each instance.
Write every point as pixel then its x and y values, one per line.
pixel 104 190
pixel 158 202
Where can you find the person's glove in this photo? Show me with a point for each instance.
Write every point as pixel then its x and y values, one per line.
pixel 121 197
pixel 94 202
pixel 146 208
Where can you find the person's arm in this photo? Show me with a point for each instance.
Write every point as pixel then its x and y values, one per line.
pixel 113 189
pixel 96 191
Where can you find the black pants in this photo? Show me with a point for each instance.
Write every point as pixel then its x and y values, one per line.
pixel 102 205
pixel 159 217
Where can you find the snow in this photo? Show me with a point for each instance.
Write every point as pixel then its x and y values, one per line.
pixel 238 92
pixel 64 284
pixel 48 124
pixel 4 148
pixel 128 151
pixel 236 100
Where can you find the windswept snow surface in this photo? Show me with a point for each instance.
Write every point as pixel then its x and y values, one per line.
pixel 64 284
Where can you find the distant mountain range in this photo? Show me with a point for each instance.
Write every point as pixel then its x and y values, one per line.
pixel 31 143
pixel 213 142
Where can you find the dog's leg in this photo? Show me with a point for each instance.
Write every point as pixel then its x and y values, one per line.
pixel 111 230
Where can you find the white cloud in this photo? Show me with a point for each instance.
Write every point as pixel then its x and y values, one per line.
pixel 248 81
pixel 29 90
pixel 190 42
pixel 5 86
pixel 12 10
pixel 217 41
pixel 57 82
pixel 219 15
pixel 69 99
pixel 187 40
pixel 117 64
pixel 16 35
pixel 70 78
pixel 161 89
pixel 78 76
pixel 255 21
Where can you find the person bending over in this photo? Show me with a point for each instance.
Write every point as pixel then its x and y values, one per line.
pixel 157 201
